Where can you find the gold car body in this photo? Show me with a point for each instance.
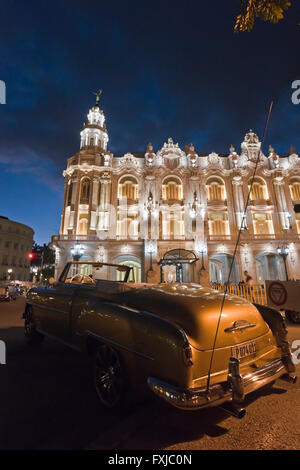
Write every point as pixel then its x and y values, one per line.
pixel 165 334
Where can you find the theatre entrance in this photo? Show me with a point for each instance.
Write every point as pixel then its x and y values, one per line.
pixel 178 265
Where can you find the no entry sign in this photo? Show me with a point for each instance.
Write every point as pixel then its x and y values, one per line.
pixel 277 293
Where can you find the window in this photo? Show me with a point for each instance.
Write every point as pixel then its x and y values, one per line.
pixel 172 225
pixel 263 224
pixel 172 189
pixel 83 225
pixel 259 189
pixel 85 191
pixel 70 189
pixel 297 216
pixel 215 189
pixel 127 225
pixel 294 186
pixel 128 188
pixel 5 260
pixel 218 223
pixel 7 244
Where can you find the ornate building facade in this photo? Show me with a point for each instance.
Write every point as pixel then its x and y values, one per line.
pixel 174 214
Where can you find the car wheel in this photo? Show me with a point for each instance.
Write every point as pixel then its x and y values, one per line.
pixel 110 377
pixel 293 316
pixel 31 334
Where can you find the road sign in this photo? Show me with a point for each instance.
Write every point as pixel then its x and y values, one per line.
pixel 277 293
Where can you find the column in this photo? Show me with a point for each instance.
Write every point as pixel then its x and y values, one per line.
pixel 94 203
pixel 282 205
pixel 238 201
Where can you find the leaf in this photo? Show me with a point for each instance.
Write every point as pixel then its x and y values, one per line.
pixel 266 10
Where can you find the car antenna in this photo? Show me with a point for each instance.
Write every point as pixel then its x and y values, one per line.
pixel 236 246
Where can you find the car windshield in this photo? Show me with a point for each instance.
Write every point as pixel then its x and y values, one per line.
pixel 89 273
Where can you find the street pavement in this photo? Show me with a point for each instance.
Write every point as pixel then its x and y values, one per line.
pixel 48 402
pixel 47 397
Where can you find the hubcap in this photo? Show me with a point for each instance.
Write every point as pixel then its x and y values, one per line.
pixel 108 376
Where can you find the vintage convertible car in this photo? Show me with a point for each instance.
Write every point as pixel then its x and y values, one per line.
pixel 160 338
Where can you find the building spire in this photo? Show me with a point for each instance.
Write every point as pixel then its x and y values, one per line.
pixel 98 94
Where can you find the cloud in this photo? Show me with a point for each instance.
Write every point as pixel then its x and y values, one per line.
pixel 40 168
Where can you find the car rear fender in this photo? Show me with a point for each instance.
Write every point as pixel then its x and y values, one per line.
pixel 275 321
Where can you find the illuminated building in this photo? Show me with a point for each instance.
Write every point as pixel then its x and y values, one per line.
pixel 136 209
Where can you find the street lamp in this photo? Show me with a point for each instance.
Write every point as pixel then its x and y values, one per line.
pixel 201 250
pixel 77 251
pixel 284 251
pixel 202 267
pixel 9 273
pixel 151 250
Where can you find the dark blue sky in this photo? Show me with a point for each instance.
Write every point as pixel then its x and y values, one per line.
pixel 167 69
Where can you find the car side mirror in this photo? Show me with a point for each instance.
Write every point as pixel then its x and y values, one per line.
pixel 51 281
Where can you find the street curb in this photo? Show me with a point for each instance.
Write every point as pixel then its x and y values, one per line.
pixel 123 431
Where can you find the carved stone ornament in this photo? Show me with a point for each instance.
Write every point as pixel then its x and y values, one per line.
pixel 251 145
pixel 213 158
pixel 129 160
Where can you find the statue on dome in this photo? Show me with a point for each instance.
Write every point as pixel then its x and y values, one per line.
pixel 98 94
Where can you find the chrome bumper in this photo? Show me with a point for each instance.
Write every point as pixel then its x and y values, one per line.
pixel 234 389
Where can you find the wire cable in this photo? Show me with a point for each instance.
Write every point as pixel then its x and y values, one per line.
pixel 237 244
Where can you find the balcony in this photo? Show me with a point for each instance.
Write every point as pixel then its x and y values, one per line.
pixel 73 237
pixel 260 202
pixel 219 237
pixel 216 202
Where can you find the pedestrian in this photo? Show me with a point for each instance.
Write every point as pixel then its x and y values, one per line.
pixel 249 284
pixel 248 280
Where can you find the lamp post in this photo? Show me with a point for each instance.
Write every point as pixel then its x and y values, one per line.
pixel 77 251
pixel 202 267
pixel 284 251
pixel 9 271
pixel 151 250
pixel 201 250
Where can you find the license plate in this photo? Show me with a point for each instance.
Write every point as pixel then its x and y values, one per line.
pixel 243 350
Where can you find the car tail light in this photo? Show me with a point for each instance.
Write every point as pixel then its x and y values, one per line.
pixel 188 355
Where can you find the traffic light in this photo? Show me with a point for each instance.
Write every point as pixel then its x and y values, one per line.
pixel 30 256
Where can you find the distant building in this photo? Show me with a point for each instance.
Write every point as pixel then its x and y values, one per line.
pixel 174 214
pixel 15 243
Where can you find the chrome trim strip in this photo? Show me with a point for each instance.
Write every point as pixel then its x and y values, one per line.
pixel 46 307
pixel 239 327
pixel 197 398
pixel 90 333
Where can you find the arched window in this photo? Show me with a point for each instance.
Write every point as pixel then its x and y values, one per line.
pixel 172 188
pixel 70 189
pixel 215 189
pixel 85 191
pixel 128 187
pixel 83 226
pixel 294 185
pixel 259 189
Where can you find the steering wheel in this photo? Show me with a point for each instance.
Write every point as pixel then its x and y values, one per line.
pixel 83 279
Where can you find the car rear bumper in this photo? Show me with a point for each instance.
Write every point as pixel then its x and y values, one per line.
pixel 234 389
